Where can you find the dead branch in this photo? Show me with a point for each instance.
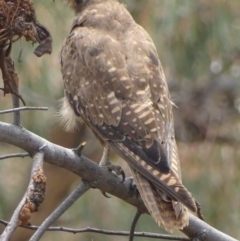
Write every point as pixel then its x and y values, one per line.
pixel 33 197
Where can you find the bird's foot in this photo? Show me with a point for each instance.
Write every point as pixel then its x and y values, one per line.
pixel 110 167
pixel 114 168
pixel 106 164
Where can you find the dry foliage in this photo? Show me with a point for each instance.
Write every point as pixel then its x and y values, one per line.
pixel 17 19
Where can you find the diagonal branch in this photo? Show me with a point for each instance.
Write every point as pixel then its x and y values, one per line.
pixel 68 202
pixel 96 177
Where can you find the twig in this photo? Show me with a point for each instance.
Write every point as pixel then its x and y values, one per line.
pixel 133 226
pixel 22 109
pixel 68 202
pixel 14 155
pixel 20 97
pixel 12 225
pixel 79 149
pixel 107 232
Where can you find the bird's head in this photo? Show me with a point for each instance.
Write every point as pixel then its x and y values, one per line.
pixel 76 5
pixel 79 5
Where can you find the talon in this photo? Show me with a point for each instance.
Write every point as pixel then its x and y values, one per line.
pixel 105 195
pixel 123 176
pixel 117 169
pixel 105 163
pixel 133 187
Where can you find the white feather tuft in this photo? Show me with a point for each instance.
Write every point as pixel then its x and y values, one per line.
pixel 67 116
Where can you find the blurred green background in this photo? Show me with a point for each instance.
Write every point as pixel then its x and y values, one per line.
pixel 198 44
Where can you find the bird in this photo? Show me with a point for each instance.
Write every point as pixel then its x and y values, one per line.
pixel 114 82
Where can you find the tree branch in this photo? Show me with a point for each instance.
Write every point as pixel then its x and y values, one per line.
pixel 106 232
pixel 22 108
pixel 96 177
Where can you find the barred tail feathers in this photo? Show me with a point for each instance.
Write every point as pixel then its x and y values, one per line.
pixel 167 214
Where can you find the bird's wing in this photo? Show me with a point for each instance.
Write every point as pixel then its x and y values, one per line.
pixel 119 89
pixel 121 84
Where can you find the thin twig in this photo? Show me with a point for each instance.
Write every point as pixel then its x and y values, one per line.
pixel 106 232
pixel 14 93
pixel 68 202
pixel 23 108
pixel 134 223
pixel 79 149
pixel 14 155
pixel 12 225
pixel 19 96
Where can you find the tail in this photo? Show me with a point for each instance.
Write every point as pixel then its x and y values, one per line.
pixel 167 213
pixel 164 195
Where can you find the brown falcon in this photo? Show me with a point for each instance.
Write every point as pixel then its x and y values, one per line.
pixel 115 83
